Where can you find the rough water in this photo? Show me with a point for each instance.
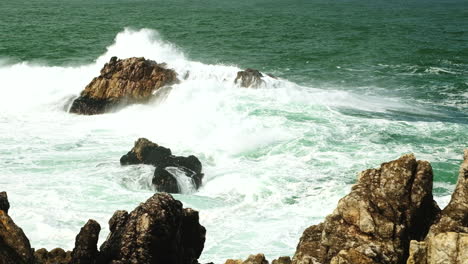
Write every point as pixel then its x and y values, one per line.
pixel 352 92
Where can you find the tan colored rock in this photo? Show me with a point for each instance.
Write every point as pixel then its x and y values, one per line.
pixel 233 261
pixel 374 223
pixel 252 259
pixel 282 260
pixel 447 240
pixel 132 80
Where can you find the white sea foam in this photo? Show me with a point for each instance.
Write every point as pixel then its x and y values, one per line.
pixel 275 159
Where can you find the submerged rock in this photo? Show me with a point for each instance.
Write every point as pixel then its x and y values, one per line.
pixel 14 245
pixel 447 240
pixel 249 78
pixel 374 223
pixel 168 166
pixel 121 82
pixel 157 231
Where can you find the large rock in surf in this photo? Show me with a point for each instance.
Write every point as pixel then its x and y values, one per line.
pixel 249 78
pixel 14 245
pixel 85 251
pixel 132 80
pixel 167 165
pixel 157 231
pixel 375 222
pixel 447 240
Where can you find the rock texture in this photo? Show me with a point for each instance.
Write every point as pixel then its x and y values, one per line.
pixel 85 251
pixel 132 80
pixel 252 259
pixel 14 245
pixel 157 231
pixel 447 240
pixel 282 260
pixel 249 78
pixel 55 256
pixel 374 223
pixel 167 165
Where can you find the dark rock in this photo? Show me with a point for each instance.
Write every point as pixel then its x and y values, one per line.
pixel 167 165
pixel 249 78
pixel 85 251
pixel 157 231
pixel 282 260
pixel 14 245
pixel 55 256
pixel 121 82
pixel 375 222
pixel 4 204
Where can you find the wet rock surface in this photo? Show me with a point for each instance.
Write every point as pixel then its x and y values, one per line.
pixel 249 78
pixel 55 256
pixel 122 82
pixel 4 204
pixel 168 166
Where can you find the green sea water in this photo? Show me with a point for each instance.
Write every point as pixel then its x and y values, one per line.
pixel 360 83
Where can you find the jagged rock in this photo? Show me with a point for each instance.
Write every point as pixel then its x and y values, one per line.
pixel 157 231
pixel 447 240
pixel 55 256
pixel 249 78
pixel 14 245
pixel 252 259
pixel 385 209
pixel 167 165
pixel 132 80
pixel 4 204
pixel 85 251
pixel 282 260
pixel 351 256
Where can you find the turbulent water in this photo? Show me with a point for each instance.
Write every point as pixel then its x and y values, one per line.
pixel 359 83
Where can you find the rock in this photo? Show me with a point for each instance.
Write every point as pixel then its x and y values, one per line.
pixel 55 256
pixel 282 260
pixel 252 259
pixel 447 240
pixel 157 231
pixel 168 166
pixel 14 245
pixel 85 251
pixel 4 204
pixel 121 82
pixel 249 78
pixel 375 222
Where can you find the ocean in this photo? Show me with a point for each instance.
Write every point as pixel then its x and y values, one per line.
pixel 359 83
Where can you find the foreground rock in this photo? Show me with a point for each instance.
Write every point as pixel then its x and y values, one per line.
pixel 447 240
pixel 14 245
pixel 168 166
pixel 157 231
pixel 386 209
pixel 249 78
pixel 122 82
pixel 252 259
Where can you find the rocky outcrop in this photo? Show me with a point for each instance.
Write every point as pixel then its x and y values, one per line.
pixel 14 245
pixel 157 231
pixel 447 240
pixel 282 260
pixel 375 222
pixel 252 259
pixel 121 82
pixel 249 78
pixel 4 204
pixel 168 166
pixel 85 251
pixel 55 256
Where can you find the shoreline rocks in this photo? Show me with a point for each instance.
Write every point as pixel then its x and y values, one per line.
pixel 168 166
pixel 249 78
pixel 122 82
